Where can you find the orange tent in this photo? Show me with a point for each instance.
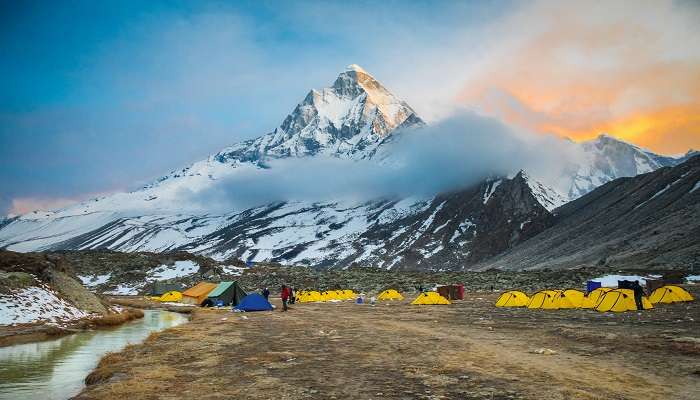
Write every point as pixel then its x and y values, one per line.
pixel 198 293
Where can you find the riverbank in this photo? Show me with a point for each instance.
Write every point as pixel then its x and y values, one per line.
pixel 145 303
pixel 40 331
pixel 469 349
pixel 56 369
pixel 131 307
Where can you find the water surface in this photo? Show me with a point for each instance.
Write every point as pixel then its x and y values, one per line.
pixel 56 369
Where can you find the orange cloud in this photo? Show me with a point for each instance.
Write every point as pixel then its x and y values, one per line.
pixel 580 69
pixel 23 205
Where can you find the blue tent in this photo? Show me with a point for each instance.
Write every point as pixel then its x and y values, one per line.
pixel 254 302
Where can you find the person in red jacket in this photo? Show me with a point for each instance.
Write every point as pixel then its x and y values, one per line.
pixel 285 297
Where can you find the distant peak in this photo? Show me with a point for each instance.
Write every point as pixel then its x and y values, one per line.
pixel 356 68
pixel 604 138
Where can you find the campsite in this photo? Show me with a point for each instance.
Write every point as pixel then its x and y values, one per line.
pixel 415 335
pixel 469 349
pixel 350 200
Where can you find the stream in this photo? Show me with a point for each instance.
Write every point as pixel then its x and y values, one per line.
pixel 56 369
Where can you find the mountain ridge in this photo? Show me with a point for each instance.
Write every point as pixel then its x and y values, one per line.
pixel 356 118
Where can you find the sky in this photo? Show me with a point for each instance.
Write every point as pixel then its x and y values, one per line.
pixel 98 97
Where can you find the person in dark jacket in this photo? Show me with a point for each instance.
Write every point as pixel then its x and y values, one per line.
pixel 266 294
pixel 638 293
pixel 285 297
pixel 291 295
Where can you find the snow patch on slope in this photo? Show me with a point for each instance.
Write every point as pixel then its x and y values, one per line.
pixel 180 269
pixel 34 304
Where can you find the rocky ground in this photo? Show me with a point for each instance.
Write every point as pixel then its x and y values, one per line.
pixel 467 350
pixel 370 280
pixel 132 269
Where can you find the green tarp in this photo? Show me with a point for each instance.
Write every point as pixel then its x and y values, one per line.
pixel 230 293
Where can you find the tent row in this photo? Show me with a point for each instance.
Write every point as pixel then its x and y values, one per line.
pixel 601 299
pixel 313 296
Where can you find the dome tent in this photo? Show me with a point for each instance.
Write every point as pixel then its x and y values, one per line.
pixel 670 294
pixel 620 300
pixel 594 297
pixel 426 298
pixel 172 296
pixel 254 302
pixel 512 298
pixel 544 299
pixel 390 294
pixel 569 298
pixel 309 297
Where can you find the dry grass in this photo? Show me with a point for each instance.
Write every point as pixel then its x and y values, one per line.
pixel 134 301
pixel 107 366
pixel 468 350
pixel 110 320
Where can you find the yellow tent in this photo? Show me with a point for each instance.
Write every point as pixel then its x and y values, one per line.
pixel 670 294
pixel 512 298
pixel 310 297
pixel 172 296
pixel 620 300
pixel 569 298
pixel 594 297
pixel 329 295
pixel 544 299
pixel 430 298
pixel 390 294
pixel 349 294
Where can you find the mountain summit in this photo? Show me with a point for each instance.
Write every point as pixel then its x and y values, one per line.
pixel 349 119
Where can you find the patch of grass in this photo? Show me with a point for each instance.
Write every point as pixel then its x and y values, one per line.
pixel 117 319
pixel 107 367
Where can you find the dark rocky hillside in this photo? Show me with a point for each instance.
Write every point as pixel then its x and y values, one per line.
pixel 651 220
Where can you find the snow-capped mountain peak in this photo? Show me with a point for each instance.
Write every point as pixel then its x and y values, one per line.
pixel 607 158
pixel 349 119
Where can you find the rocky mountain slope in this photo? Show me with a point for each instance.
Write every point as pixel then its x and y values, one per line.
pixel 606 159
pixel 356 118
pixel 42 288
pixel 651 220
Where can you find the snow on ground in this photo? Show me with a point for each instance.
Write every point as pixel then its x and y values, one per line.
pixel 36 303
pixel 94 280
pixel 696 187
pixel 165 272
pixel 611 280
pixel 126 289
pixel 232 270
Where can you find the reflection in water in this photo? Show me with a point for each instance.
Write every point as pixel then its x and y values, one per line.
pixel 56 369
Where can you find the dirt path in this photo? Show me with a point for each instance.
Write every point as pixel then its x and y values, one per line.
pixel 468 350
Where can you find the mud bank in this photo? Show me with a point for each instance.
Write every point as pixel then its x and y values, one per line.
pixel 27 333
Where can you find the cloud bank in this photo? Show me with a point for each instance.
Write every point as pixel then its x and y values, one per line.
pixel 458 152
pixel 578 69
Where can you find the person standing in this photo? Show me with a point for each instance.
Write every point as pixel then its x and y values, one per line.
pixel 291 295
pixel 285 297
pixel 266 294
pixel 638 293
